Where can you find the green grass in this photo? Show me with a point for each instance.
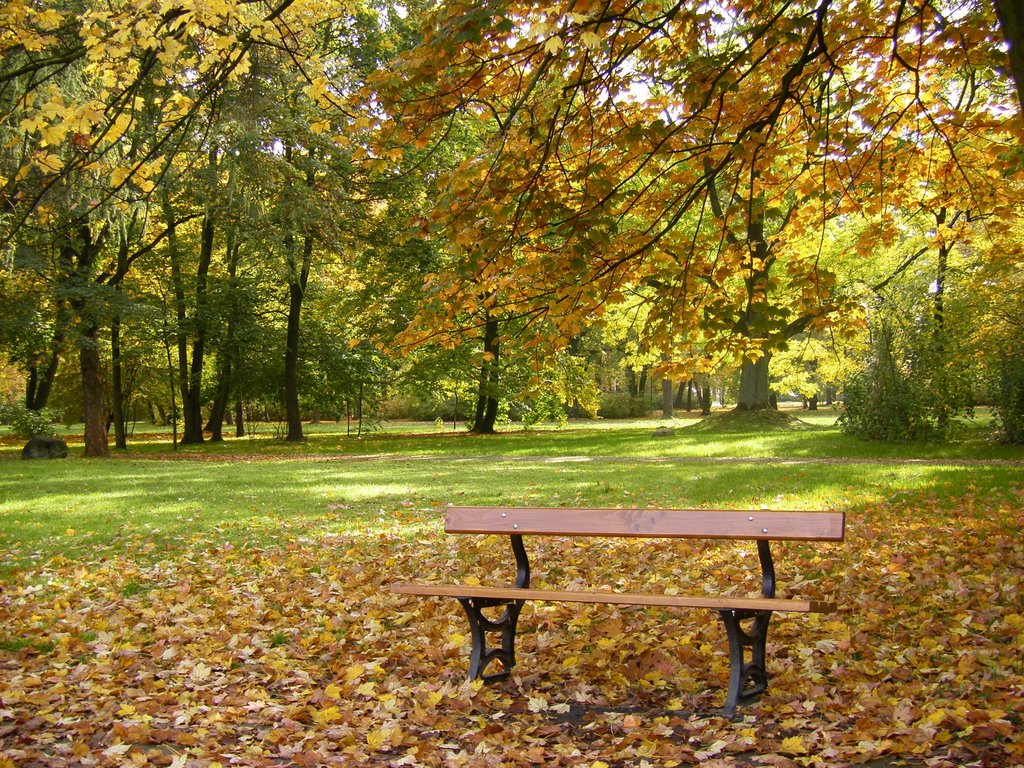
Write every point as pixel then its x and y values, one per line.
pixel 259 491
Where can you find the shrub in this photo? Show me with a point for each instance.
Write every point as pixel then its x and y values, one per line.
pixel 1008 395
pixel 622 405
pixel 25 423
pixel 545 406
pixel 903 391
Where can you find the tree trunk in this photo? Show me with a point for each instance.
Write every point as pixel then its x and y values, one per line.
pixel 117 386
pixel 296 292
pixel 78 255
pixel 754 392
pixel 291 364
pixel 487 395
pixel 680 398
pixel 942 395
pixel 219 411
pixel 940 378
pixel 181 316
pixel 704 396
pixel 239 419
pixel 1011 19
pixel 298 277
pixel 40 382
pixel 92 395
pixel 190 372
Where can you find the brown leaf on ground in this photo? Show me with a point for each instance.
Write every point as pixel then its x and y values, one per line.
pixel 298 655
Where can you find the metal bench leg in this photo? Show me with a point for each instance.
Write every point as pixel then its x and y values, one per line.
pixel 480 625
pixel 747 679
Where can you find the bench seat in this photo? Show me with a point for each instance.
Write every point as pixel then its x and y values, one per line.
pixel 616 598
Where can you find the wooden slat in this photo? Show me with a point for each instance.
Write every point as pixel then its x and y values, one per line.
pixel 615 598
pixel 669 523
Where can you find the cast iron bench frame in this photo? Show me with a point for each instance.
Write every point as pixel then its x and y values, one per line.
pixel 748 676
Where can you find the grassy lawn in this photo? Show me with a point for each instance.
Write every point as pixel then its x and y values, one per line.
pixel 258 487
pixel 227 604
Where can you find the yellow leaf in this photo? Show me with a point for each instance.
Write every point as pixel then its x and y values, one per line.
pixel 53 134
pixel 366 689
pixel 354 672
pixel 553 45
pixel 434 698
pixel 118 176
pixel 794 745
pixel 377 739
pixel 200 672
pixel 49 161
pixel 327 715
pixel 332 691
pixel 31 124
pixel 935 718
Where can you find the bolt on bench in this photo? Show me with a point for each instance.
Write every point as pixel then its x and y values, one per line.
pixel 748 676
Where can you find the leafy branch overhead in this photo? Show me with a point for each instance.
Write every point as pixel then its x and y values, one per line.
pixel 704 150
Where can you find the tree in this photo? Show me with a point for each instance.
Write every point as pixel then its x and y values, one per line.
pixel 610 130
pixel 99 101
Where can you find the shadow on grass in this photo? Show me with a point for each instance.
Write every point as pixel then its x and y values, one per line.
pixel 79 508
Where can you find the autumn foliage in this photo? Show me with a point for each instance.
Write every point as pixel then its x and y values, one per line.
pixel 692 157
pixel 297 655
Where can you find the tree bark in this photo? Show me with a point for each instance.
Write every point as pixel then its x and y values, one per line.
pixel 190 373
pixel 941 389
pixel 40 382
pixel 487 394
pixel 117 380
pixel 78 256
pixel 92 395
pixel 296 292
pixel 117 385
pixel 1011 19
pixel 227 355
pixel 704 396
pixel 298 277
pixel 754 390
pixel 667 398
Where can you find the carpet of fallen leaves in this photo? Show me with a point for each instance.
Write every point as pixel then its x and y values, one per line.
pixel 220 655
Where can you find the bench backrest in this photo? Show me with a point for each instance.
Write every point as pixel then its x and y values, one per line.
pixel 761 524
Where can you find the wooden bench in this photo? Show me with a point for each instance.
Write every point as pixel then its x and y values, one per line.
pixel 746 619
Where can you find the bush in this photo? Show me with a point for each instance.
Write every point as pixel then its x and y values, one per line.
pixel 26 423
pixel 546 406
pixel 1008 396
pixel 622 405
pixel 892 398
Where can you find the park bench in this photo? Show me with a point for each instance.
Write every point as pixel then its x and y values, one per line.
pixel 745 618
